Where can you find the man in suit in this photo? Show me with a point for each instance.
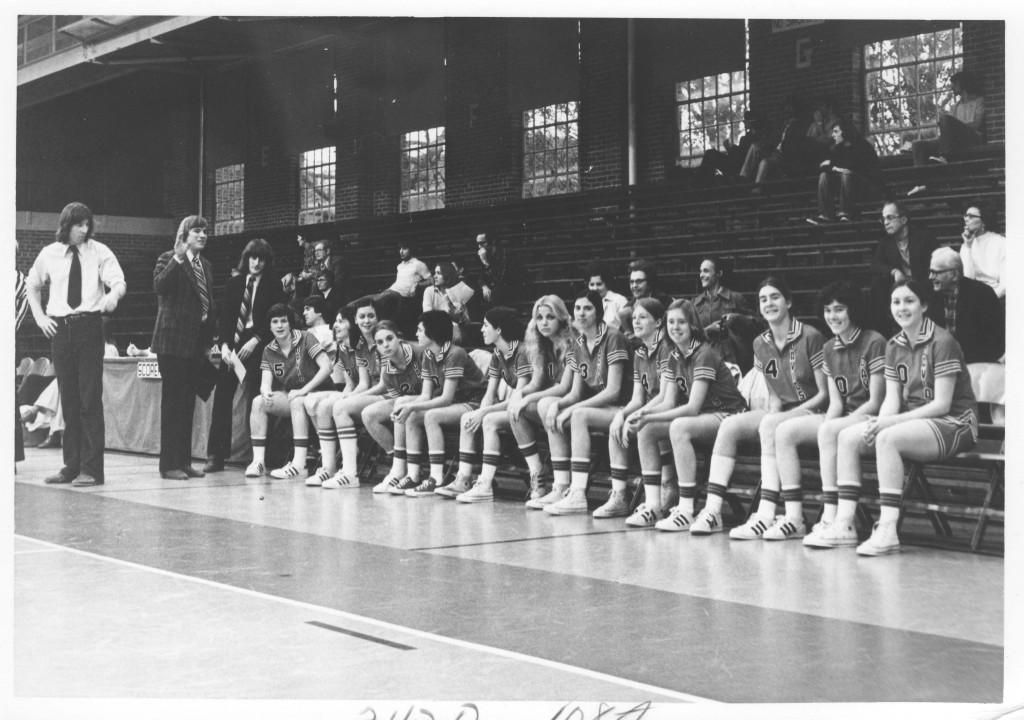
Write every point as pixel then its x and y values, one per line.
pixel 185 323
pixel 967 308
pixel 903 254
pixel 330 264
pixel 244 330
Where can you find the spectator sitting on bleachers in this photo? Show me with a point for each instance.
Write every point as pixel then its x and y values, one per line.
pixel 550 339
pixel 398 302
pixel 596 275
pixel 801 148
pixel 968 309
pixel 902 254
pixel 643 282
pixel 729 164
pixel 789 355
pixel 852 169
pixel 294 364
pixel 983 251
pixel 596 378
pixel 503 279
pixel 928 414
pixel 302 283
pixel 728 321
pixel 854 365
pixel 334 266
pixel 451 295
pixel 959 129
pixel 325 287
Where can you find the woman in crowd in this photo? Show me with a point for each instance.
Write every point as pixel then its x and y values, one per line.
pixel 452 386
pixel 698 393
pixel 852 170
pixel 597 366
pixel 648 328
pixel 789 355
pixel 450 294
pixel 853 365
pixel 961 128
pixel 293 366
pixel 550 338
pixel 510 365
pixel 929 413
pixel 401 373
pixel 728 320
pixel 983 251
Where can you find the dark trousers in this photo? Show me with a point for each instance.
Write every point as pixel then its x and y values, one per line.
pixel 851 188
pixel 78 363
pixel 953 135
pixel 177 408
pixel 219 443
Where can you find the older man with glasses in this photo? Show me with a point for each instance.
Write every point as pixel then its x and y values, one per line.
pixel 967 308
pixel 902 254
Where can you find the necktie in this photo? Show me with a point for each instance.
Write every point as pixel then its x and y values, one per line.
pixel 243 313
pixel 75 280
pixel 204 292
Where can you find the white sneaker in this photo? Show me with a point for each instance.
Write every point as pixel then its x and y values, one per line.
pixel 318 478
pixel 574 502
pixel 478 493
pixel 383 485
pixel 832 535
pixel 616 506
pixel 785 529
pixel 287 472
pixel 677 521
pixel 752 529
pixel 255 469
pixel 883 540
pixel 643 517
pixel 707 522
pixel 540 485
pixel 461 484
pixel 340 480
pixel 556 494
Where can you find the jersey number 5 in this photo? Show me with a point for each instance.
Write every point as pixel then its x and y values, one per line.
pixel 279 369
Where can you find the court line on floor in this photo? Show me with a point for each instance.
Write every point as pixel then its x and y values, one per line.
pixel 455 642
pixel 524 539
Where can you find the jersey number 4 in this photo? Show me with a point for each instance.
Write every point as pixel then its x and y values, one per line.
pixel 772 368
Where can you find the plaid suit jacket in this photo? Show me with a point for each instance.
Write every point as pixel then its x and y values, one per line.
pixel 180 330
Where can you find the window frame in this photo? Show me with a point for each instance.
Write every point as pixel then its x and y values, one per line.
pixel 229 193
pixel 563 155
pixel 428 191
pixel 735 124
pixel 312 162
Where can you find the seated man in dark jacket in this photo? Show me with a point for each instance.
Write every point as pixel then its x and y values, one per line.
pixel 852 170
pixel 903 253
pixel 967 308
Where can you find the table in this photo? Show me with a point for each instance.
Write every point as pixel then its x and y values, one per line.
pixel 131 411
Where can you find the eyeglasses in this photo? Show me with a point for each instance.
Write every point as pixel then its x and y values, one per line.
pixel 969 216
pixel 887 218
pixel 936 272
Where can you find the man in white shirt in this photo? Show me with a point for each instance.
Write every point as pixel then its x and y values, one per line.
pixel 410 275
pixel 596 275
pixel 78 271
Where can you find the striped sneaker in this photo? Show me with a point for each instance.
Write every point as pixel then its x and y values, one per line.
pixel 752 529
pixel 707 522
pixel 785 529
pixel 318 478
pixel 383 485
pixel 289 471
pixel 340 480
pixel 643 517
pixel 677 521
pixel 540 485
pixel 255 469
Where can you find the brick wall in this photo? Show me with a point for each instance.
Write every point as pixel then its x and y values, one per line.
pixel 604 151
pixel 985 54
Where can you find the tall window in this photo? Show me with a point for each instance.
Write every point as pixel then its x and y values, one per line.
pixel 551 163
pixel 422 170
pixel 907 86
pixel 316 186
pixel 230 205
pixel 710 111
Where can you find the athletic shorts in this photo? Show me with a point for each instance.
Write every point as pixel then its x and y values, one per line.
pixel 955 434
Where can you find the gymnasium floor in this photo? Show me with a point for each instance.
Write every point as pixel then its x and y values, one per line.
pixel 225 587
